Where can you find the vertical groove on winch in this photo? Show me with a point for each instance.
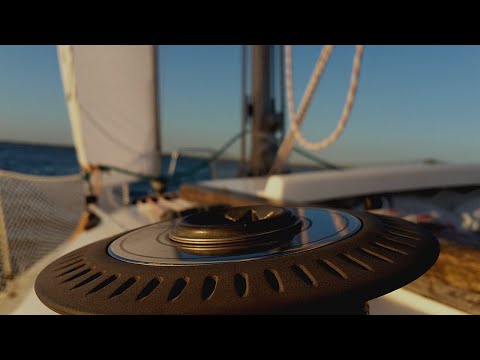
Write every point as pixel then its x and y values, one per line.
pixel 177 289
pixel 209 286
pixel 274 280
pixel 87 280
pixel 70 270
pixel 122 288
pixel 103 284
pixel 148 289
pixel 403 235
pixel 397 241
pixel 356 262
pixel 404 229
pixel 241 283
pixel 77 275
pixel 391 248
pixel 68 265
pixel 70 258
pixel 376 255
pixel 303 273
pixel 332 268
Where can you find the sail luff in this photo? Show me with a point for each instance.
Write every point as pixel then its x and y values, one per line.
pixel 155 101
pixel 67 70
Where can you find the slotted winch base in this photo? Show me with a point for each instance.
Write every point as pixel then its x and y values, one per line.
pixel 309 276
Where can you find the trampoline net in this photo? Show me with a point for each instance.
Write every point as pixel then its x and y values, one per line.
pixel 37 214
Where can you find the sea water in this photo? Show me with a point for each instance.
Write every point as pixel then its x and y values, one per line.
pixel 53 160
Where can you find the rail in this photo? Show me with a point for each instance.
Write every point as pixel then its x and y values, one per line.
pixel 172 166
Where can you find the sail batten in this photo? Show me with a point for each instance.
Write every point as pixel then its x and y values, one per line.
pixel 112 103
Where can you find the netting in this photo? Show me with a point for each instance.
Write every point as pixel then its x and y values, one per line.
pixel 37 214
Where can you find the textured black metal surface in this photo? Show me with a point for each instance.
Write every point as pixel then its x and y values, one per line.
pixel 387 253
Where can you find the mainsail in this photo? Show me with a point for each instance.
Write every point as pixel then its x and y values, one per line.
pixel 112 103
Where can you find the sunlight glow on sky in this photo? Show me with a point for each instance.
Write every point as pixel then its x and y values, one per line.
pixel 413 102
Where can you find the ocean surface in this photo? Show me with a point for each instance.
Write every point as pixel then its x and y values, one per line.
pixel 50 160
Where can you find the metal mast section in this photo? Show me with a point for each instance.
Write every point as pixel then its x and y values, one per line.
pixel 266 122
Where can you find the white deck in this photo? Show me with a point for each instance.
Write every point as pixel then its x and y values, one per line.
pixel 336 184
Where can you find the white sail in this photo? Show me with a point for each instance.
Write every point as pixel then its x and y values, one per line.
pixel 111 96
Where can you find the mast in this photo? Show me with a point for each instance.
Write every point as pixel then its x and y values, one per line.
pixel 265 121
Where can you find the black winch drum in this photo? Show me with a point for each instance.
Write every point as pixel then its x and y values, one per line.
pixel 246 260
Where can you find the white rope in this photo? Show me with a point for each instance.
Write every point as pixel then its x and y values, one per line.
pixel 296 119
pixel 345 113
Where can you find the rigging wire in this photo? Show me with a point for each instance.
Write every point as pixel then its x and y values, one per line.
pixel 189 174
pixel 316 159
pixel 175 177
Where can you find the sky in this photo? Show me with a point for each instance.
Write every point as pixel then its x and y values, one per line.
pixel 413 102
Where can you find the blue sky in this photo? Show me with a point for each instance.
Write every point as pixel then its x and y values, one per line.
pixel 413 102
